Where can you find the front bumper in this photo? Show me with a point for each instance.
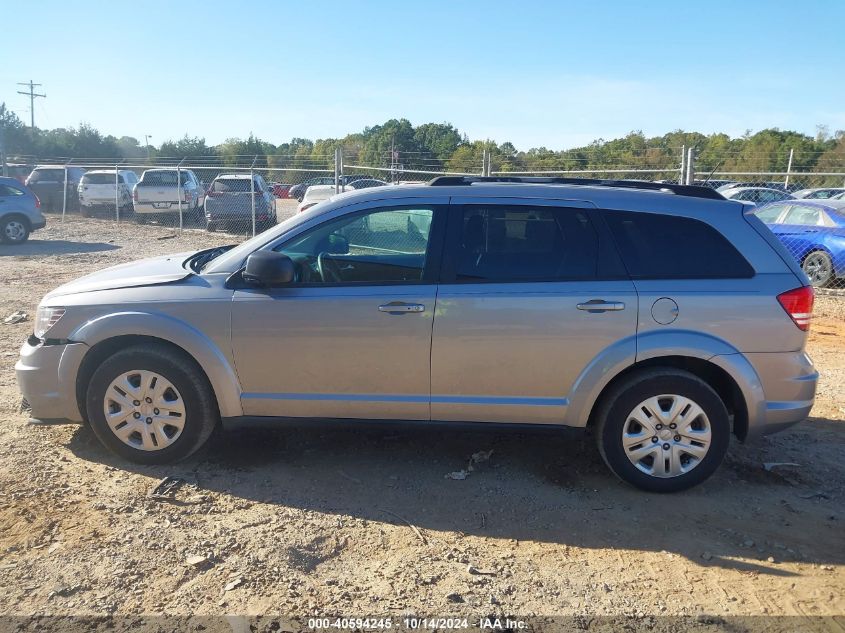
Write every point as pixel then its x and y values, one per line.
pixel 47 379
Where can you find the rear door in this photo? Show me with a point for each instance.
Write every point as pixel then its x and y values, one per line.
pixel 529 297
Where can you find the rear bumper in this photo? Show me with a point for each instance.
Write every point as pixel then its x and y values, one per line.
pixel 47 379
pixel 150 208
pixel 789 381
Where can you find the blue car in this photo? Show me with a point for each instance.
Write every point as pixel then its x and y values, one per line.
pixel 814 232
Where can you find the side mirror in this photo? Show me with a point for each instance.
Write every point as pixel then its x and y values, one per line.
pixel 268 269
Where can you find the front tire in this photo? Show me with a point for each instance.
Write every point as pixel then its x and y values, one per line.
pixel 151 405
pixel 663 430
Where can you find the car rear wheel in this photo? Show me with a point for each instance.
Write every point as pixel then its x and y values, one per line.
pixel 14 230
pixel 819 268
pixel 663 430
pixel 151 405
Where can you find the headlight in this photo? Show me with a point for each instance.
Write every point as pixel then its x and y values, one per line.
pixel 45 318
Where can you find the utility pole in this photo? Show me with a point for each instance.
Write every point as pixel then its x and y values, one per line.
pixel 147 138
pixel 31 94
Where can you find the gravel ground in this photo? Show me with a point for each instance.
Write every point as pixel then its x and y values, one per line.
pixel 319 520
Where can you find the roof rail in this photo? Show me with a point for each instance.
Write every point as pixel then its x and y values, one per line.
pixel 692 191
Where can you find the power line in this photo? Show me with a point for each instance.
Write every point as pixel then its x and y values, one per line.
pixel 31 94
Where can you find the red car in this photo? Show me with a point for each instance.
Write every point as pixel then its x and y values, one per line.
pixel 280 189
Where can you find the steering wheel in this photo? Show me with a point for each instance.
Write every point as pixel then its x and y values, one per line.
pixel 332 270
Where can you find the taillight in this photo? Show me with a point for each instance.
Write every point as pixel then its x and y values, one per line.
pixel 135 195
pixel 798 304
pixel 37 202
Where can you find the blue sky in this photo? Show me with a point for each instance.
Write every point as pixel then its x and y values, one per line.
pixel 554 74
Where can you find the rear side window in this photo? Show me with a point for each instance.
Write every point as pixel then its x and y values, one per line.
pixel 7 190
pixel 806 216
pixel 502 243
pixel 656 246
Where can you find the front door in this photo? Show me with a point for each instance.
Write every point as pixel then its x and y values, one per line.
pixel 351 337
pixel 529 298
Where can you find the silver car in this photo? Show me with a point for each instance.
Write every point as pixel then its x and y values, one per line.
pixel 232 199
pixel 20 212
pixel 662 317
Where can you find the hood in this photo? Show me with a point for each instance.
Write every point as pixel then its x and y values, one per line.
pixel 144 272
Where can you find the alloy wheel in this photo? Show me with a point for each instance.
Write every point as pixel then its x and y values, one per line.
pixel 818 268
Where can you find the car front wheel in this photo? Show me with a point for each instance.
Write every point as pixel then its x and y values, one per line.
pixel 151 405
pixel 663 430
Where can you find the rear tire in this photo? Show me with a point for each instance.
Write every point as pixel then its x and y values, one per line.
pixel 662 430
pixel 14 229
pixel 151 376
pixel 818 266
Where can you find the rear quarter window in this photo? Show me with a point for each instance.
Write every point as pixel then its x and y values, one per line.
pixel 658 246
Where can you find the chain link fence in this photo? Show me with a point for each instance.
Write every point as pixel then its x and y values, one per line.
pixel 249 194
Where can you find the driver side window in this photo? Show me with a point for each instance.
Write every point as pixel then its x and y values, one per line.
pixel 375 246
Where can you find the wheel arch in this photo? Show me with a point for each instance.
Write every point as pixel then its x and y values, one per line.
pixel 17 214
pixel 716 376
pixel 106 335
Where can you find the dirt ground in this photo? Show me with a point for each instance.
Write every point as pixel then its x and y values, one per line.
pixel 359 520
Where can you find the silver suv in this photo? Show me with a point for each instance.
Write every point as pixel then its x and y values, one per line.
pixel 663 317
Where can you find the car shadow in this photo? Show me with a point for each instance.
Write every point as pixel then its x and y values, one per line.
pixel 544 486
pixel 34 248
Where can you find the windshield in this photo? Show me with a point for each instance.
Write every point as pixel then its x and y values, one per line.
pixel 233 185
pixel 162 178
pixel 231 260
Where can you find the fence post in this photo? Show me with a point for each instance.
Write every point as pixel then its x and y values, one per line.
pixel 683 175
pixel 690 177
pixel 252 191
pixel 336 170
pixel 788 169
pixel 116 193
pixel 179 193
pixel 339 161
pixel 64 194
pixel 483 163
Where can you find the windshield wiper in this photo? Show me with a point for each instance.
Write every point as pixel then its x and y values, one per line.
pixel 201 259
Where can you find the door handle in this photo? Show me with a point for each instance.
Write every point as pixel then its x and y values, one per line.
pixel 398 307
pixel 599 305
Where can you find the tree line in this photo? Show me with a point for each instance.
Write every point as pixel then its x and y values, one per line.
pixel 439 147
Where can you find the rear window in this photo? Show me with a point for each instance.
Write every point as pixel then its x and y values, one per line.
pixel 233 185
pixel 656 246
pixel 162 178
pixel 47 175
pixel 99 179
